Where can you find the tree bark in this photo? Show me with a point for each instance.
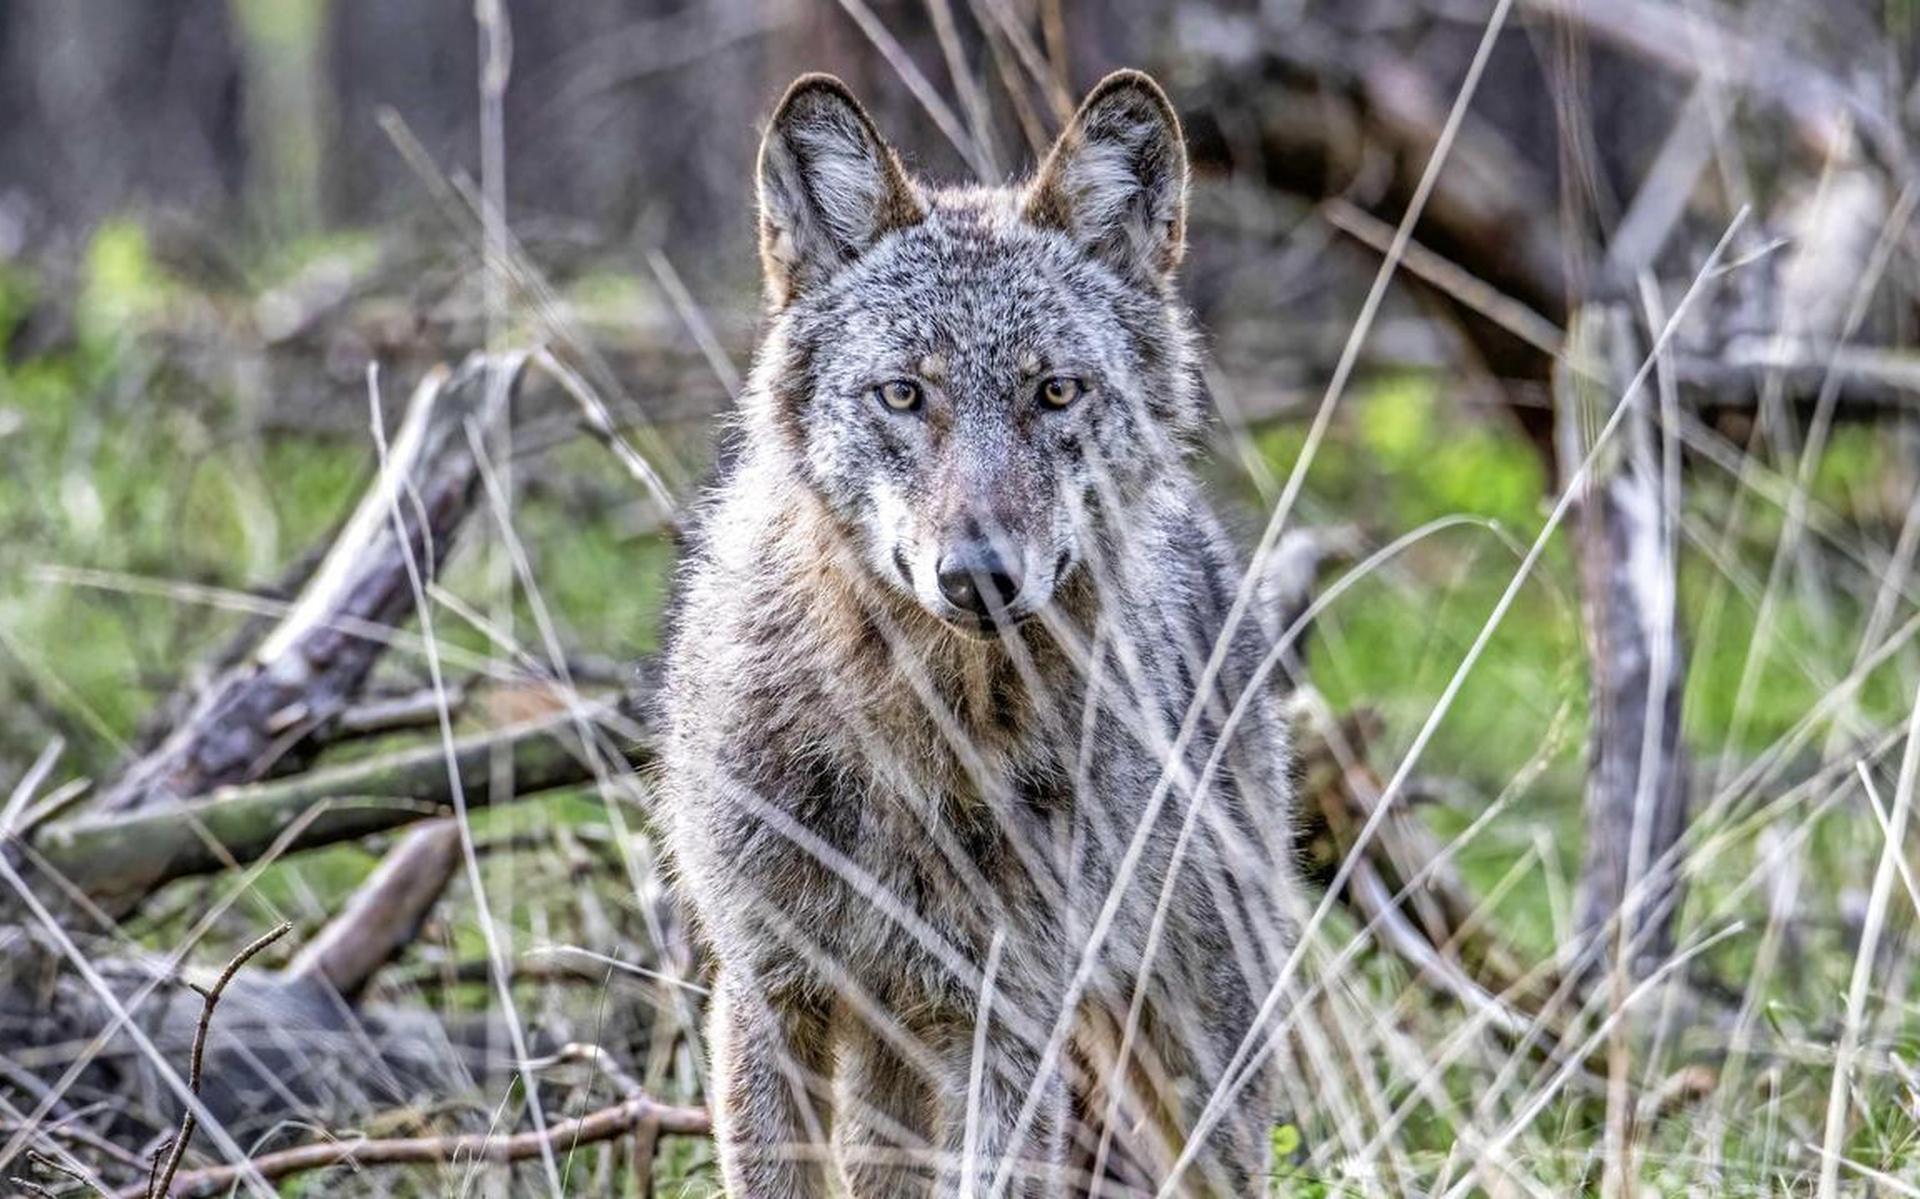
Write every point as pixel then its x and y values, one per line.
pixel 307 671
pixel 1623 537
pixel 117 861
pixel 384 915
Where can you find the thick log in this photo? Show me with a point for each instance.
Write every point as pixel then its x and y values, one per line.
pixel 313 664
pixel 119 860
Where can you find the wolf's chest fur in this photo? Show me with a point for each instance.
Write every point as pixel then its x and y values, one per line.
pixel 897 794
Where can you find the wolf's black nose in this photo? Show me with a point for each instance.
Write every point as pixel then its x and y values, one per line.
pixel 974 579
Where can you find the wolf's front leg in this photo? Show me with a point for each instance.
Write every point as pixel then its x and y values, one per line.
pixel 883 1117
pixel 1232 1156
pixel 771 1063
pixel 984 1140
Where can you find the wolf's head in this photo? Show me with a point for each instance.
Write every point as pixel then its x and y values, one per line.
pixel 978 382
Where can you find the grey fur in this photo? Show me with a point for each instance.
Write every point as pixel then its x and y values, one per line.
pixel 889 817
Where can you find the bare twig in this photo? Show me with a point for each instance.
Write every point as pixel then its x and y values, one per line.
pixel 29 785
pixel 1406 866
pixel 197 1062
pixel 600 425
pixel 1456 283
pixel 51 1166
pixel 397 713
pixel 646 1135
pixel 62 800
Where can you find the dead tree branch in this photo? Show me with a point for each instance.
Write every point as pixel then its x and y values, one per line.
pixel 119 860
pixel 635 1112
pixel 1636 808
pixel 1819 108
pixel 1405 887
pixel 384 915
pixel 1338 113
pixel 377 716
pixel 309 668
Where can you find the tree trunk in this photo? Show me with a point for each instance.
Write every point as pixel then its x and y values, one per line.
pixel 1636 804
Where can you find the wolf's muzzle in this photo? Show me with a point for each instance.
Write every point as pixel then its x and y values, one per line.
pixel 977 581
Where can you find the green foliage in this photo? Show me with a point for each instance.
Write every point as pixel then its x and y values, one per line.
pixel 1443 463
pixel 1400 455
pixel 117 465
pixel 282 23
pixel 607 587
pixel 1286 1142
pixel 120 284
pixel 1402 460
pixel 18 291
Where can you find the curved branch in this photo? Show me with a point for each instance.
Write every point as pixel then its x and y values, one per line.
pixel 637 1112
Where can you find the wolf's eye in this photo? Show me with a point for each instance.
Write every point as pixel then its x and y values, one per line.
pixel 1061 390
pixel 901 395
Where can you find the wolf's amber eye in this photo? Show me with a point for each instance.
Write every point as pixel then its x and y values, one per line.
pixel 901 395
pixel 1061 390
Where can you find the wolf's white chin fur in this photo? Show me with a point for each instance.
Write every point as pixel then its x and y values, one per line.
pixel 975 629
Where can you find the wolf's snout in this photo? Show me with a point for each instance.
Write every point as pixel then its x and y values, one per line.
pixel 978 581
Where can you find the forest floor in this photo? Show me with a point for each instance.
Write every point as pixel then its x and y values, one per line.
pixel 142 502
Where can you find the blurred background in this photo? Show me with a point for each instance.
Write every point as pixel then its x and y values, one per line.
pixel 1610 487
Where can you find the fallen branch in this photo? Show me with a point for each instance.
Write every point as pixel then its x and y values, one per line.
pixel 1339 113
pixel 309 668
pixel 635 1112
pixel 1822 110
pixel 399 713
pixel 1336 115
pixel 384 914
pixel 118 861
pixel 646 1137
pixel 553 971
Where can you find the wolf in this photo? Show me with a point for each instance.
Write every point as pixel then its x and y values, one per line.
pixel 971 767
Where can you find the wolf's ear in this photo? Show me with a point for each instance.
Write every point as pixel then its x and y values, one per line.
pixel 1117 178
pixel 829 187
